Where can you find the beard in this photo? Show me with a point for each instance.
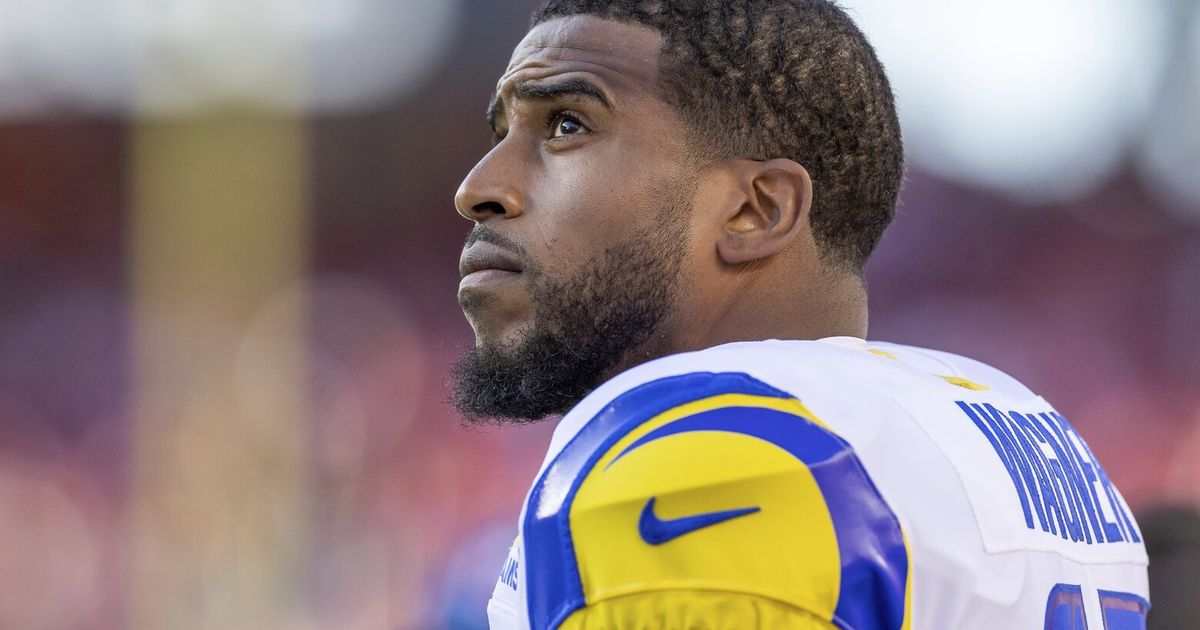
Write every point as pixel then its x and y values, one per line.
pixel 585 326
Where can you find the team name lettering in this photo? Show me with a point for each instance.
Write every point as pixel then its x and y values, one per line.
pixel 1063 490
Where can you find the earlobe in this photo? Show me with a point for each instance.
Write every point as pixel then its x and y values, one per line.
pixel 773 205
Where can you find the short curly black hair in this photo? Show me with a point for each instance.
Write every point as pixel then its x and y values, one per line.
pixel 764 79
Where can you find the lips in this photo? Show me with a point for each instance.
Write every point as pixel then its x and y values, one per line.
pixel 482 256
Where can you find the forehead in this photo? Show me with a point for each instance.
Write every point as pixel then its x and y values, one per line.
pixel 624 54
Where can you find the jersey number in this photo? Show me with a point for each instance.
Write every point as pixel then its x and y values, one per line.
pixel 1122 611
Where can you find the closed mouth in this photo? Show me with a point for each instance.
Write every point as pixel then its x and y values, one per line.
pixel 483 256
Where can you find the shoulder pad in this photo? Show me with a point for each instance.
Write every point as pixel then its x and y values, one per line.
pixel 713 482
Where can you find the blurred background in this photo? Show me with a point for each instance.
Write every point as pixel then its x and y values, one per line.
pixel 228 257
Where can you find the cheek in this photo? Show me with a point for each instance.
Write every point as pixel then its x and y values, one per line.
pixel 587 204
pixel 579 215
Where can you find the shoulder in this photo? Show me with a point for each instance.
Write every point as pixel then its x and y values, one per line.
pixel 799 368
pixel 852 384
pixel 834 367
pixel 949 366
pixel 710 481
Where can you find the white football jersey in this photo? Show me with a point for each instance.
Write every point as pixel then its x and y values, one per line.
pixel 836 483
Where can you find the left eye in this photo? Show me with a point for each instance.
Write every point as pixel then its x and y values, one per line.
pixel 566 125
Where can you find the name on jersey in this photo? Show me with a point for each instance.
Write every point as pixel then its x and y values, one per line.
pixel 1063 490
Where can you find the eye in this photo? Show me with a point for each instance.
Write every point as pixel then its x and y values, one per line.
pixel 563 124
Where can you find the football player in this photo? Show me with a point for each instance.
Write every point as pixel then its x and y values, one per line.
pixel 668 248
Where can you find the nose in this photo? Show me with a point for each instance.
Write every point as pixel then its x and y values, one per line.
pixel 490 189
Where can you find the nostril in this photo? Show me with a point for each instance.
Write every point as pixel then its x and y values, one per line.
pixel 488 207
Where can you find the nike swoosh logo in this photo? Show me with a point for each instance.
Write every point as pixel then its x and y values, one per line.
pixel 656 531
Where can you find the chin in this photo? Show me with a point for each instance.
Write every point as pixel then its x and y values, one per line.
pixel 492 338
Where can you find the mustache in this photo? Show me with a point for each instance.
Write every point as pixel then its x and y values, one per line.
pixel 491 236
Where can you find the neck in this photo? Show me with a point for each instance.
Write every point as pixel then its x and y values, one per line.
pixel 831 309
pixel 829 303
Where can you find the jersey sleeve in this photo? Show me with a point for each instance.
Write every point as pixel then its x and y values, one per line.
pixel 711 500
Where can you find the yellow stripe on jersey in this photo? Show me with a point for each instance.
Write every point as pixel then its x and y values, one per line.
pixel 965 383
pixel 786 405
pixel 693 610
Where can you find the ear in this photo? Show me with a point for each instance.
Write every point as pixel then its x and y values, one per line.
pixel 771 205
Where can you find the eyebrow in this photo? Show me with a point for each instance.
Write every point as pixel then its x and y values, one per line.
pixel 545 91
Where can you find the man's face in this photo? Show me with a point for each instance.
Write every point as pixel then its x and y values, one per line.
pixel 581 216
